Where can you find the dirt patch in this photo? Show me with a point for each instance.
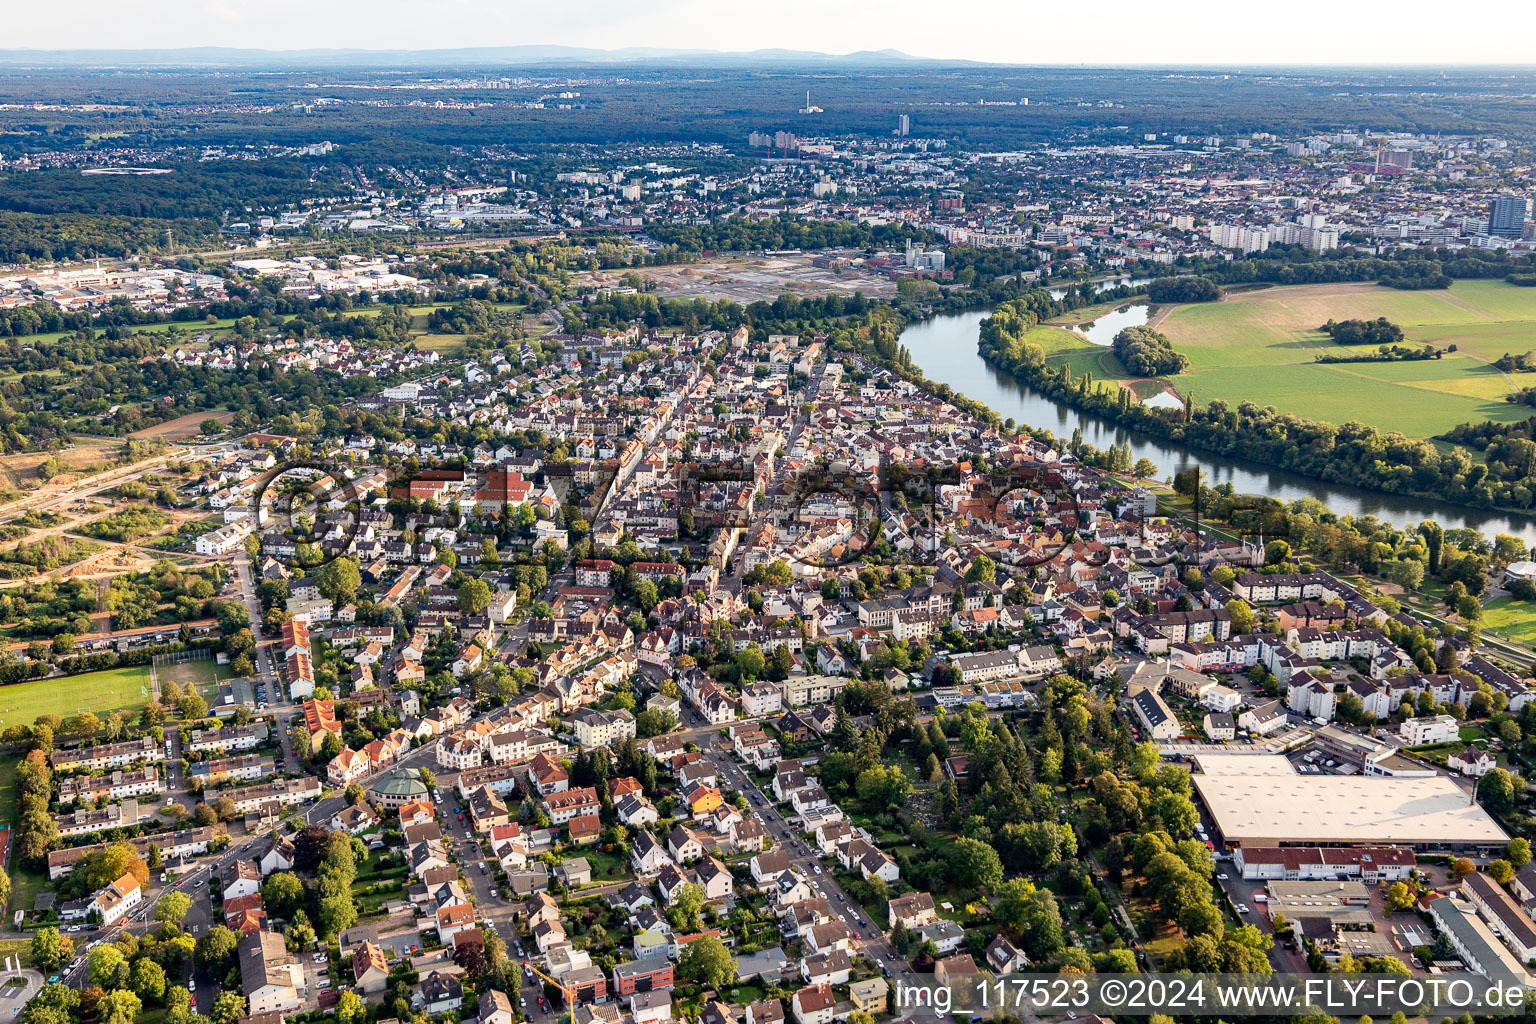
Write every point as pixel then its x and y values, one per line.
pixel 748 279
pixel 20 470
pixel 182 427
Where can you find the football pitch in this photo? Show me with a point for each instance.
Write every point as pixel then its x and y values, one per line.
pixel 116 689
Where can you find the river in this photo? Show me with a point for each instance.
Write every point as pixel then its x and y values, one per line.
pixel 944 348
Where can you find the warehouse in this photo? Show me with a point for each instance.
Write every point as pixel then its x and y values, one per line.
pixel 1259 800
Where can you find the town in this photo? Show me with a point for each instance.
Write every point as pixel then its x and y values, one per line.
pixel 745 579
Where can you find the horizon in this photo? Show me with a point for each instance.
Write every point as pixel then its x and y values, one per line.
pixel 1124 34
pixel 559 53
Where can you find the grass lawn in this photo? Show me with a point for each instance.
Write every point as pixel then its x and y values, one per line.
pixel 448 344
pixel 8 795
pixel 607 868
pixel 1509 619
pixel 1232 346
pixel 25 885
pixel 114 689
pixel 743 994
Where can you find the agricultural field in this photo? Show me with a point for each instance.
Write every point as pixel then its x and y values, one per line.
pixel 116 689
pixel 183 428
pixel 1258 346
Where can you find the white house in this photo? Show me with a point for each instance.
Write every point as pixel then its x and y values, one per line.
pixel 116 900
pixel 1430 729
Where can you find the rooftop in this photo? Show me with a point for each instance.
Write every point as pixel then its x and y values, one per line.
pixel 1262 800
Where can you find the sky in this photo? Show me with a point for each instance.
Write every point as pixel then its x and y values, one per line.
pixel 1230 33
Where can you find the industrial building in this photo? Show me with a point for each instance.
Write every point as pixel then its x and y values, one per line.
pixel 1260 800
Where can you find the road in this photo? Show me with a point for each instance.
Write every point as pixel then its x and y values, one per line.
pixel 872 940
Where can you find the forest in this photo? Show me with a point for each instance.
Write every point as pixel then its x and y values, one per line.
pixel 650 104
pixel 1147 353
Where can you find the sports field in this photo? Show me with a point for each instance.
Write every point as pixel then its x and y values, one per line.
pixel 1510 619
pixel 115 689
pixel 1258 346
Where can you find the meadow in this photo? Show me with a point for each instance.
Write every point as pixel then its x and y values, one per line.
pixel 1258 346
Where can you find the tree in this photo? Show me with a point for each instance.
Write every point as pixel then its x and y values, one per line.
pixel 282 894
pixel 119 1007
pixel 215 952
pixel 350 1008
pixel 147 979
pixel 750 662
pixel 310 844
pixel 51 949
pixel 1242 615
pixel 107 967
pixel 474 596
pixel 975 864
pixel 1518 852
pixel 1399 897
pixel 1461 867
pixel 1011 903
pixel 336 914
pixel 1042 934
pixel 299 936
pixel 1499 790
pixel 338 580
pixel 1408 573
pixel 1119 961
pixel 173 906
pixel 982 570
pixel 1501 871
pixel 882 786
pixel 689 905
pixel 655 722
pixel 646 595
pixel 1147 352
pixel 228 1008
pixel 708 962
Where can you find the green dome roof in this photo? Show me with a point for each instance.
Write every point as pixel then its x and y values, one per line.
pixel 402 782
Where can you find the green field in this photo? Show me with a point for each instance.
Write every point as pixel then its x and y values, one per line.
pixel 1258 347
pixel 115 689
pixel 9 797
pixel 1509 619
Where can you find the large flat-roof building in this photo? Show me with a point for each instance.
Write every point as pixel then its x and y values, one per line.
pixel 1261 800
